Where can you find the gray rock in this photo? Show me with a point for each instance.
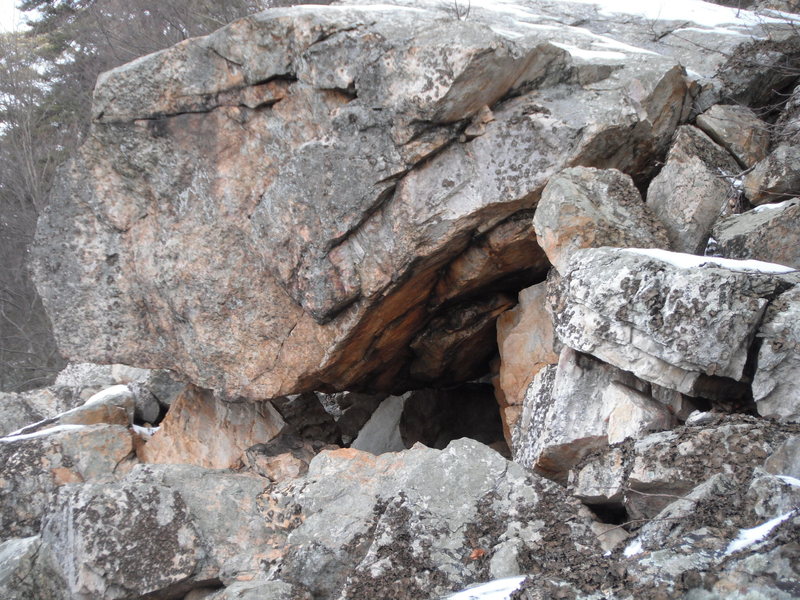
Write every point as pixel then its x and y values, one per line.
pixel 773 496
pixel 382 432
pixel 429 518
pixel 774 384
pixel 589 208
pixel 564 416
pixel 26 572
pixel 601 480
pixel 776 177
pixel 33 466
pixel 738 130
pixel 16 412
pixel 788 124
pixel 260 590
pixel 693 188
pixel 770 232
pixel 667 317
pixel 786 459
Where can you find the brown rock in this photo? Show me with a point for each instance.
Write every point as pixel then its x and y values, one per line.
pixel 202 430
pixel 588 208
pixel 527 344
pixel 738 130
pixel 776 177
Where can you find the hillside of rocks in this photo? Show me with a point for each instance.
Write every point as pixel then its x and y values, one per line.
pixel 390 300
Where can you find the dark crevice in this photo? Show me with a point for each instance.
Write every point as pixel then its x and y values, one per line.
pixel 612 513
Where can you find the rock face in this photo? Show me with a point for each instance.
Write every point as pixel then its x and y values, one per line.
pixel 738 130
pixel 298 251
pixel 663 315
pixel 589 208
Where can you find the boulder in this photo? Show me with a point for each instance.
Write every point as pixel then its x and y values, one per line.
pixel 787 127
pixel 776 177
pixel 770 232
pixel 694 187
pixel 588 208
pixel 162 530
pixel 248 269
pixel 16 412
pixel 526 343
pixel 668 317
pixel 774 383
pixel 424 522
pixel 738 130
pixel 33 466
pixel 381 433
pixel 202 430
pixel 564 416
pixel 786 459
pixel 259 590
pixel 285 457
pixel 632 414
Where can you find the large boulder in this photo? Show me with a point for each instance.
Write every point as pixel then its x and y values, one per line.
pixel 738 130
pixel 272 217
pixel 672 319
pixel 776 177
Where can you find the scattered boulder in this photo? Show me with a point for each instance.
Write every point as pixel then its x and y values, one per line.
pixel 778 368
pixel 738 130
pixel 526 343
pixel 775 178
pixel 33 466
pixel 667 317
pixel 202 430
pixel 381 433
pixel 588 208
pixel 770 232
pixel 694 187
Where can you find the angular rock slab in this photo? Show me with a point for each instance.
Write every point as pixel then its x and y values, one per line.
pixel 667 317
pixel 26 571
pixel 738 130
pixel 202 430
pixel 35 465
pixel 775 384
pixel 588 208
pixel 776 177
pixel 770 232
pixel 692 189
pixel 255 210
pixel 434 520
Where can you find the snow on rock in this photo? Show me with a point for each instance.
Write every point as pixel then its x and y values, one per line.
pixel 748 537
pixel 691 261
pixel 499 589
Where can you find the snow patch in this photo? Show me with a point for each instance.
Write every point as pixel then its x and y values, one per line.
pixel 690 261
pixel 145 431
pixel 499 589
pixel 748 537
pixel 633 549
pixel 790 480
pixel 576 52
pixel 44 432
pixel 774 206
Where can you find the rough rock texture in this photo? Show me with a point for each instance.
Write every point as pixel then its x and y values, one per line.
pixel 788 124
pixel 770 232
pixel 692 189
pixel 775 388
pixel 565 415
pixel 16 412
pixel 588 208
pixel 526 343
pixel 630 413
pixel 267 274
pixel 668 324
pixel 738 130
pixel 33 466
pixel 164 529
pixel 776 177
pixel 424 522
pixel 201 430
pixel 26 572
